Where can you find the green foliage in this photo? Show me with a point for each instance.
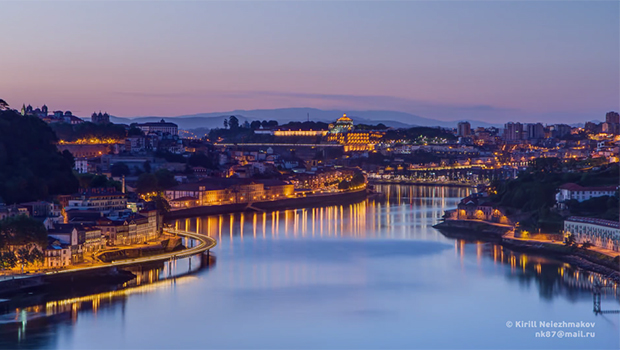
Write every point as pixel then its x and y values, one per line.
pixel 31 168
pixel 233 123
pixel 344 185
pixel 358 179
pixel 147 166
pixel 161 180
pixel 21 230
pixel 165 179
pixel 161 204
pixel 203 160
pixel 8 260
pixel 97 181
pixel 120 169
pixel 88 130
pixel 147 183
pixel 604 207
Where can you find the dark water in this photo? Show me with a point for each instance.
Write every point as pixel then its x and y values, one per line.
pixel 368 275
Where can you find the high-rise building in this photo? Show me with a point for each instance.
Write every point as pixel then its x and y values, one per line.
pixel 464 129
pixel 612 117
pixel 513 132
pixel 560 130
pixel 535 131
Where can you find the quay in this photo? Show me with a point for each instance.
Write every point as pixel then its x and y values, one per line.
pixel 11 284
pixel 280 204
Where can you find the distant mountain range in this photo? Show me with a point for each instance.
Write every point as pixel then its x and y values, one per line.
pixel 285 115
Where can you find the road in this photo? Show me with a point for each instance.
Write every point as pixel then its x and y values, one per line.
pixel 205 243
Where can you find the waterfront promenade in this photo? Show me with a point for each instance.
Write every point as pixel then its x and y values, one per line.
pixel 205 243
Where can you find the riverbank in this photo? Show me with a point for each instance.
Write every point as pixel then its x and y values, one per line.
pixel 103 271
pixel 420 183
pixel 281 204
pixel 590 260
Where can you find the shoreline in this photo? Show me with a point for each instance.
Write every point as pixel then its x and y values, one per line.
pixel 111 270
pixel 282 204
pixel 419 183
pixel 486 232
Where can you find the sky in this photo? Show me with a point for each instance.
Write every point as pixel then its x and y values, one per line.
pixel 494 61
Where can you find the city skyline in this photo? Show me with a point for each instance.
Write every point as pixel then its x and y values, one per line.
pixel 488 61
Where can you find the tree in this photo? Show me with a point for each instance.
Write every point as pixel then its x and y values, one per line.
pixel 21 230
pixel 165 179
pixel 119 169
pixel 134 130
pixel 225 123
pixel 147 166
pixel 99 181
pixel 147 183
pixel 24 256
pixel 233 122
pixel 36 256
pixel 255 125
pixel 69 157
pixel 586 245
pixel 570 240
pixel 8 260
pixel 246 124
pixel 31 167
pixel 161 204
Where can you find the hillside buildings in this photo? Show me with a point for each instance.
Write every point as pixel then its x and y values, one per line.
pixel 161 127
pixel 571 191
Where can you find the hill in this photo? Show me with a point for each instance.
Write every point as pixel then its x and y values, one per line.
pixel 284 115
pixel 31 168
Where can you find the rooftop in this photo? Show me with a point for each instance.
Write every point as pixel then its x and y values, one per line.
pixel 595 221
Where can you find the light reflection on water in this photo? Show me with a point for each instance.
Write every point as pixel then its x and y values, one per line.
pixel 369 275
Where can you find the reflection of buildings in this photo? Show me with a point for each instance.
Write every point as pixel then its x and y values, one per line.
pixel 552 277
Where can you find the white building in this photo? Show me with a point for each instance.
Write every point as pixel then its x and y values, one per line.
pixel 579 193
pixel 81 165
pixel 601 233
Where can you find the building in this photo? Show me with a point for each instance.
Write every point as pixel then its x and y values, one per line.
pixel 98 199
pixel 99 118
pixel 344 133
pixel 598 232
pixel 572 191
pixel 57 254
pixel 535 131
pixel 162 127
pixel 513 132
pixel 343 124
pixel 463 129
pixel 475 208
pixel 218 191
pixel 560 130
pixel 612 118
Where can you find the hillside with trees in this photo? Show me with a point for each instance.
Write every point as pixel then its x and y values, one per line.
pixel 31 167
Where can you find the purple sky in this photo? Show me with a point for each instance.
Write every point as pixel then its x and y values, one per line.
pixel 492 60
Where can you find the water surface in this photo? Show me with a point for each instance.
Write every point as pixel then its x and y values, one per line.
pixel 368 275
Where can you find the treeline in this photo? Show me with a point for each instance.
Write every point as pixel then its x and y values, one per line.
pixel 418 132
pixel 88 130
pixel 31 168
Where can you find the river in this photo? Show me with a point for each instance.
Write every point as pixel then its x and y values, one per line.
pixel 369 275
